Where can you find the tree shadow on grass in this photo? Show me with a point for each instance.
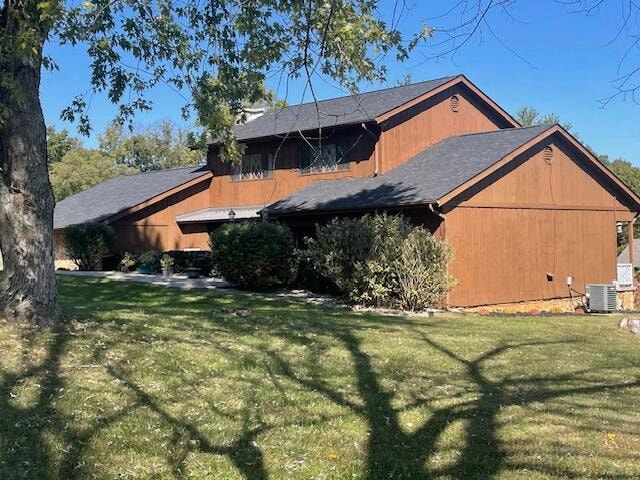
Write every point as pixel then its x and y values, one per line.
pixel 243 452
pixel 392 452
pixel 25 452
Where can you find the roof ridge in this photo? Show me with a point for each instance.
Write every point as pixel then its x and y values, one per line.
pixel 510 129
pixel 362 93
pixel 162 171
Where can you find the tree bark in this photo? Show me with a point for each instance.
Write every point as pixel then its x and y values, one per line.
pixel 28 289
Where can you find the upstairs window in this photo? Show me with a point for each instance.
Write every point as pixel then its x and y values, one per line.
pixel 329 157
pixel 253 167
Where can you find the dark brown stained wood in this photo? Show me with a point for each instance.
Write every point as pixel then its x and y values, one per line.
pixel 155 227
pixel 459 83
pixel 555 136
pixel 286 177
pixel 539 218
pixel 425 124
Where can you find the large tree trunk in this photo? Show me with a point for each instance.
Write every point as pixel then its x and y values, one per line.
pixel 28 288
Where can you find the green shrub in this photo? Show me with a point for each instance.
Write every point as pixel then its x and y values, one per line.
pixel 308 276
pixel 151 260
pixel 254 255
pixel 421 270
pixel 87 244
pixel 367 260
pixel 376 282
pixel 357 255
pixel 338 250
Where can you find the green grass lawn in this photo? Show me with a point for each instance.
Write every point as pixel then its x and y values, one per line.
pixel 147 382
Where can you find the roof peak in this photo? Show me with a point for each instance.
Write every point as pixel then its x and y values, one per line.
pixel 413 84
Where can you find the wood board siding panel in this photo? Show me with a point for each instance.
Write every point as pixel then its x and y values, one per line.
pixel 433 123
pixel 566 182
pixel 286 177
pixel 155 227
pixel 519 234
pixel 504 255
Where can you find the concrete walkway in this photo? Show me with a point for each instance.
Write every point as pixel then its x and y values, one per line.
pixel 174 281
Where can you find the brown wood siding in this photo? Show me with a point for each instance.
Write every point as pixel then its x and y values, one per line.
pixel 535 219
pixel 155 227
pixel 504 255
pixel 286 177
pixel 428 123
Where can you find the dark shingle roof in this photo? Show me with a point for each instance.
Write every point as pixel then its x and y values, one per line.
pixel 118 194
pixel 334 112
pixel 425 178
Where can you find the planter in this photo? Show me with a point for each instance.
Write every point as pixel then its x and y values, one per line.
pixel 167 272
pixel 144 269
pixel 124 269
pixel 192 272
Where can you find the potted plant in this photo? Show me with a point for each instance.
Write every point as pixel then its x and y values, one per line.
pixel 167 262
pixel 127 263
pixel 191 270
pixel 149 262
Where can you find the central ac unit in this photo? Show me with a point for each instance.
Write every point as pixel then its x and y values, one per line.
pixel 602 298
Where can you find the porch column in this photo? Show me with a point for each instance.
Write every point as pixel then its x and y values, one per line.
pixel 631 250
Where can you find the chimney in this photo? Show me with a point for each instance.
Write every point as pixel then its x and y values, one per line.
pixel 250 113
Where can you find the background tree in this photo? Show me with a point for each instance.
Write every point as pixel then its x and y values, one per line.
pixel 160 147
pixel 81 169
pixel 528 116
pixel 59 143
pixel 216 54
pixel 73 168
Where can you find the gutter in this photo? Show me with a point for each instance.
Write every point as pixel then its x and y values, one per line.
pixel 352 209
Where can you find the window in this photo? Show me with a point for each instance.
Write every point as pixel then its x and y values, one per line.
pixel 253 167
pixel 330 157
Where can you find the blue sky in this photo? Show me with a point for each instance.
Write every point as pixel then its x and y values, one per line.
pixel 570 64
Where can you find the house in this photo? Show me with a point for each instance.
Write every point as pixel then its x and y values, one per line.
pixel 623 257
pixel 523 208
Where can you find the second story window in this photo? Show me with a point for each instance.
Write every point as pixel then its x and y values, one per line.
pixel 253 167
pixel 330 157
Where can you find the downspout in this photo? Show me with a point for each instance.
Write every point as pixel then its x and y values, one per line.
pixel 376 161
pixel 433 210
pixel 443 236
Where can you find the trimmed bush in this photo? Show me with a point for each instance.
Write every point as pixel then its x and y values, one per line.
pixel 368 259
pixel 87 244
pixel 338 250
pixel 254 255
